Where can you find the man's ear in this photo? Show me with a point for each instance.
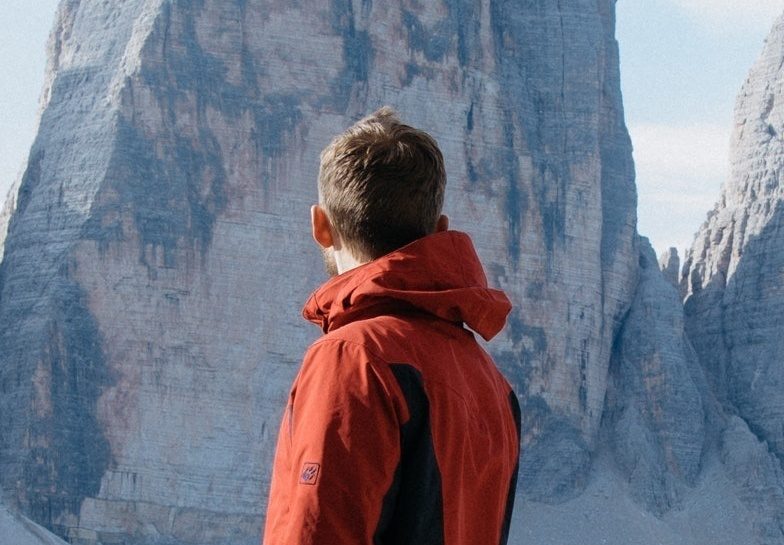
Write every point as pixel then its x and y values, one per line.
pixel 442 224
pixel 321 227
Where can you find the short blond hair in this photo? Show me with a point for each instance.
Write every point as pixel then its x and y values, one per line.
pixel 382 184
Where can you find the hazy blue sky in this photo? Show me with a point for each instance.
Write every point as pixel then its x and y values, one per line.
pixel 25 29
pixel 682 64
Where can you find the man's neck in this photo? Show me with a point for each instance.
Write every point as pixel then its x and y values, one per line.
pixel 346 261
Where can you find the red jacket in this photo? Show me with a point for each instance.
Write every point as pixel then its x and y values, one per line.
pixel 399 428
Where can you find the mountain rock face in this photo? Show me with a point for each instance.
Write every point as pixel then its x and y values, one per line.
pixel 158 251
pixel 734 302
pixel 655 413
pixel 670 263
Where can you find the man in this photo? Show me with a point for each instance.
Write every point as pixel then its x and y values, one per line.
pixel 399 428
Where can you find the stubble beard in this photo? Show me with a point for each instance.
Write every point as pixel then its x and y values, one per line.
pixel 330 265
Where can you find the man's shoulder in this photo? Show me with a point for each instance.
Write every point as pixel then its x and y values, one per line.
pixel 351 347
pixel 385 335
pixel 418 339
pixel 377 342
pixel 338 367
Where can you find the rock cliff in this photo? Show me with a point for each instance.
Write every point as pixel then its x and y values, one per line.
pixel 157 252
pixel 655 413
pixel 670 263
pixel 732 283
pixel 732 274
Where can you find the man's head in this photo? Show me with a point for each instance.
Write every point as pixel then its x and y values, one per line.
pixel 381 186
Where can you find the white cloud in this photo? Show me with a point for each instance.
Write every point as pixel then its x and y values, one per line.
pixel 680 170
pixel 699 151
pixel 737 13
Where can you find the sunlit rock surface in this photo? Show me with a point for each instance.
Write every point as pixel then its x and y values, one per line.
pixel 732 275
pixel 670 263
pixel 732 279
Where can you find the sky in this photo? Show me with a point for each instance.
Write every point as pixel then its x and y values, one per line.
pixel 25 29
pixel 682 65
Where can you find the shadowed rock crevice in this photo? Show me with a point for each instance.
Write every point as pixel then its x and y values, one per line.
pixel 735 323
pixel 59 446
pixel 556 465
pixel 655 414
pixel 358 53
pixel 173 200
pixel 69 453
pixel 759 479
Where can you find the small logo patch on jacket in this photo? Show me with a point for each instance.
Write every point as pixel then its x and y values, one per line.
pixel 309 474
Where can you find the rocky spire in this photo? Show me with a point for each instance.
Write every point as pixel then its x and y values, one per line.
pixel 158 248
pixel 669 264
pixel 734 303
pixel 732 275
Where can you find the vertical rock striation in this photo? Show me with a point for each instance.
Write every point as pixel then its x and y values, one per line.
pixel 565 180
pixel 158 249
pixel 656 415
pixel 757 477
pixel 734 303
pixel 732 274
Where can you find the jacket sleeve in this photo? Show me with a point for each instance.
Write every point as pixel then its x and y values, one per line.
pixel 338 449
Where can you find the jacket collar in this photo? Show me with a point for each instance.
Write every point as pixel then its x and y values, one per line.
pixel 439 274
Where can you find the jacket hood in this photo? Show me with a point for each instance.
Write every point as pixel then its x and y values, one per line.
pixel 439 274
